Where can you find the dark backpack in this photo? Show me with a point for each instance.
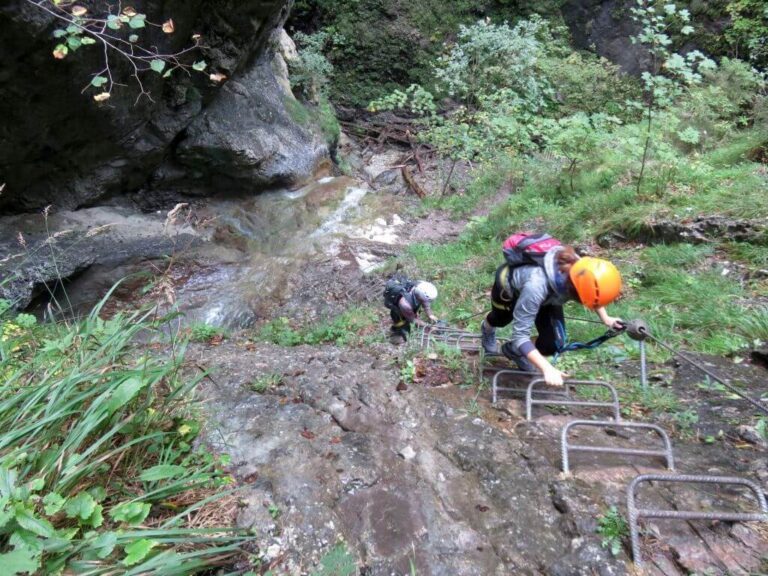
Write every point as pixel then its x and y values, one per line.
pixel 395 288
pixel 523 249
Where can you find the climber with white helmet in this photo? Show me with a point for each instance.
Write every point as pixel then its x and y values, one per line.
pixel 405 299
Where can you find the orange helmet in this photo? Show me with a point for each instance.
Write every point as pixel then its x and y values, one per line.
pixel 597 281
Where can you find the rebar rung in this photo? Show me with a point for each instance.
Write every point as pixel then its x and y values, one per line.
pixel 614 404
pixel 635 513
pixel 609 450
pixel 495 388
pixel 565 448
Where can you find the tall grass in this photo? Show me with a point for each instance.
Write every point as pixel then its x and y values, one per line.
pixel 97 470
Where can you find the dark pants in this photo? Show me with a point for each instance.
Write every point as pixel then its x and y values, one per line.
pixel 400 326
pixel 502 310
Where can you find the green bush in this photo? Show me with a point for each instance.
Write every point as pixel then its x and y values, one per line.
pixel 204 332
pixel 96 442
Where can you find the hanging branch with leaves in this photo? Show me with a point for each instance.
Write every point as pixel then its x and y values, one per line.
pixel 118 34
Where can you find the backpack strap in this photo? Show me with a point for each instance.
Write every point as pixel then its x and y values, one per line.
pixel 531 240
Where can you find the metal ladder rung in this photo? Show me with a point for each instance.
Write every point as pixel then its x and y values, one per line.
pixel 565 448
pixel 635 513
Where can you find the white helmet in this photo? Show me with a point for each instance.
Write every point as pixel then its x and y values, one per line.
pixel 425 291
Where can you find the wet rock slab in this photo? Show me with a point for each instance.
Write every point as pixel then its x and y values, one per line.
pixel 414 477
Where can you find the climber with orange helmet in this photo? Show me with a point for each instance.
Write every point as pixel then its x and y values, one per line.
pixel 530 290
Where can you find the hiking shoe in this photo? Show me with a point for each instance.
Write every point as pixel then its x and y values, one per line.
pixel 488 338
pixel 396 339
pixel 522 362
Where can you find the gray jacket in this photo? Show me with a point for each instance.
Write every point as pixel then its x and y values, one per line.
pixel 534 287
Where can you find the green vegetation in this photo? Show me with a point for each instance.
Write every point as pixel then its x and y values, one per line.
pixel 345 329
pixel 204 332
pixel 337 562
pixel 613 528
pixel 582 185
pixel 98 473
pixel 266 382
pixel 117 32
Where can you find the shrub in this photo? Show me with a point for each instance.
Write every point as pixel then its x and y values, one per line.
pixel 96 442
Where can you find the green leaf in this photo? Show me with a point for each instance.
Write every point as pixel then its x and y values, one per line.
pixel 130 512
pixel 687 30
pixel 157 65
pixel 87 41
pixel 81 506
pixel 98 81
pixel 29 521
pixel 96 519
pixel 36 485
pixel 137 551
pixel 124 394
pixel 59 33
pixel 137 21
pixel 8 482
pixel 161 472
pixel 74 42
pixel 167 73
pixel 199 66
pixel 104 544
pixel 72 29
pixel 99 493
pixel 133 38
pixel 20 561
pixel 114 24
pixel 53 503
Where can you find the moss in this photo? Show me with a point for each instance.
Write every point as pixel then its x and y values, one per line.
pixel 298 112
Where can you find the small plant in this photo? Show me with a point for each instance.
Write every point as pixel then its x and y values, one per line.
pixel 274 511
pixel 472 408
pixel 337 562
pixel 266 382
pixel 613 528
pixel 686 420
pixel 408 372
pixel 204 332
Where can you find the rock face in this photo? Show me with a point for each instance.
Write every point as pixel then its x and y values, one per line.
pixel 420 479
pixel 608 26
pixel 65 244
pixel 59 147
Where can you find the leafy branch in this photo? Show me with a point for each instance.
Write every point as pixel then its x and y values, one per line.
pixel 118 35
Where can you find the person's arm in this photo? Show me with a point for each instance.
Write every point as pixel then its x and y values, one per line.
pixel 532 295
pixel 610 321
pixel 409 313
pixel 552 375
pixel 428 311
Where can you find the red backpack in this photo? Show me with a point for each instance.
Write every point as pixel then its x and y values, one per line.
pixel 523 248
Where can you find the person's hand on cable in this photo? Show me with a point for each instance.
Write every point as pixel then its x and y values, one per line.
pixel 611 322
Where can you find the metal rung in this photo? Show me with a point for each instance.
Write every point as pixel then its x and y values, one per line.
pixel 569 384
pixel 495 388
pixel 565 447
pixel 635 513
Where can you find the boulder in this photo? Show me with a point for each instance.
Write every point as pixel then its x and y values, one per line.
pixel 60 147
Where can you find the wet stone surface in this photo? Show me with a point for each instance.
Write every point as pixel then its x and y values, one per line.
pixel 414 476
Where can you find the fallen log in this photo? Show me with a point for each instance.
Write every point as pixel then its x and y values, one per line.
pixel 412 184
